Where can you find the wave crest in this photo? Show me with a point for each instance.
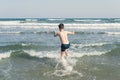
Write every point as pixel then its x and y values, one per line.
pixel 56 54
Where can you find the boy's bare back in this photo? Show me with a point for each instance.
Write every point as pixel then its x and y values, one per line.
pixel 63 35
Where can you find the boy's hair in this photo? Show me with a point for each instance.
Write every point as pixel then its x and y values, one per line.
pixel 61 26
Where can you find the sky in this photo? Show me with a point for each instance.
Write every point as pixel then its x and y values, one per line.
pixel 59 8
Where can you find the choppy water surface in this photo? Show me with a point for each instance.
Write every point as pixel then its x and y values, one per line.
pixel 29 51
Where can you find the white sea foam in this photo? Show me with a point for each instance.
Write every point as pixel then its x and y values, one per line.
pixel 56 54
pixel 87 45
pixel 14 24
pixel 31 20
pixel 42 54
pixel 53 54
pixel 5 55
pixel 56 19
pixel 62 73
pixel 18 32
pixel 113 33
pixel 9 22
pixel 24 44
pixel 78 20
pixel 65 67
pixel 97 53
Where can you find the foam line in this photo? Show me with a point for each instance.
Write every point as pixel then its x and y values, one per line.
pixel 5 55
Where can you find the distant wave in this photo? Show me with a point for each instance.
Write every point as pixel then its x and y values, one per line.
pixel 31 20
pixel 54 25
pixel 117 19
pixel 10 32
pixel 78 20
pixel 80 32
pixel 113 33
pixel 51 32
pixel 56 19
pixel 109 33
pixel 89 45
pixel 16 47
pixel 20 32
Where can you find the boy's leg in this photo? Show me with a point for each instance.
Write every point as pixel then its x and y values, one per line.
pixel 66 53
pixel 62 54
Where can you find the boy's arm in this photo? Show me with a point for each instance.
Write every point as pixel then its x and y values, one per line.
pixel 68 32
pixel 55 34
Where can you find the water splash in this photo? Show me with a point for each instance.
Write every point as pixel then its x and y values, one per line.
pixel 64 67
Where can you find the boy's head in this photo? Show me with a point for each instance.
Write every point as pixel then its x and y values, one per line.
pixel 61 26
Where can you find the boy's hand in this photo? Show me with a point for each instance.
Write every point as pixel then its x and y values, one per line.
pixel 54 33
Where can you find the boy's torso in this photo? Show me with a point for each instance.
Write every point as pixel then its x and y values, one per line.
pixel 63 37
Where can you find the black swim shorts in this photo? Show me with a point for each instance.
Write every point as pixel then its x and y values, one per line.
pixel 64 46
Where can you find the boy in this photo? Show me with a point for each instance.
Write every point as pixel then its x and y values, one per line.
pixel 64 40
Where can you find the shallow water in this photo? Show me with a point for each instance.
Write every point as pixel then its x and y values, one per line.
pixel 28 50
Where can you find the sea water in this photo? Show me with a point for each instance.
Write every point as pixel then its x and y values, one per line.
pixel 29 51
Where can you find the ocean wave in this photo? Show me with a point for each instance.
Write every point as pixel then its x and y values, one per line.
pixel 51 32
pixel 87 32
pixel 23 32
pixel 56 54
pixel 78 20
pixel 48 31
pixel 113 33
pixel 40 32
pixel 9 22
pixel 47 54
pixel 31 20
pixel 16 46
pixel 117 19
pixel 114 52
pixel 5 55
pixel 22 54
pixel 17 24
pixel 53 54
pixel 18 32
pixel 71 26
pixel 56 19
pixel 89 45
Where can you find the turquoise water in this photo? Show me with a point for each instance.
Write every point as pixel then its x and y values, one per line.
pixel 29 51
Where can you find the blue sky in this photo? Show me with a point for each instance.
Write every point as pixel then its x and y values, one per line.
pixel 59 8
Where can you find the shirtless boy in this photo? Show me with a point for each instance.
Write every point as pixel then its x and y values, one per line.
pixel 64 40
